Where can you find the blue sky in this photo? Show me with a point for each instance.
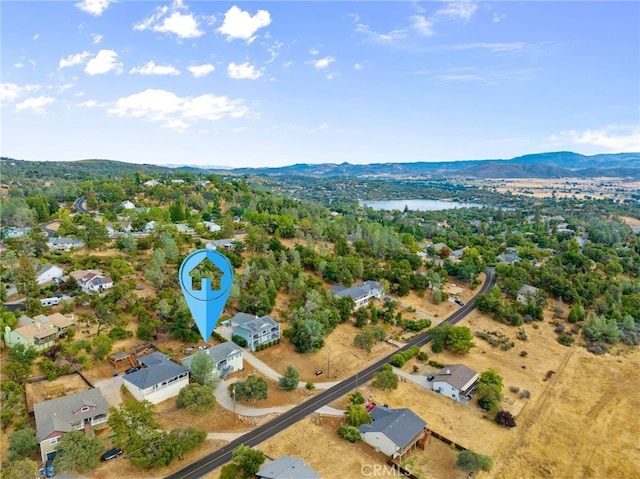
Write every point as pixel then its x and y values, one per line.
pixel 277 83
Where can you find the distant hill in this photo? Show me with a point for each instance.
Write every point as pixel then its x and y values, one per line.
pixel 562 164
pixel 543 165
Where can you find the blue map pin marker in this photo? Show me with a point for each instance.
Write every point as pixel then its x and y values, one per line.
pixel 206 277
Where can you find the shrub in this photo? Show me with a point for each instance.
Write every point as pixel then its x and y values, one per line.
pixel 524 394
pixel 310 386
pixel 422 356
pixel 437 347
pixel 239 340
pixel 470 461
pixel 505 418
pixel 350 433
pixel 523 354
pixel 119 333
pixel 565 340
pixel 436 364
pixel 514 389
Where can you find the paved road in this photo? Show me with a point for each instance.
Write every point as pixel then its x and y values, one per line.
pixel 261 433
pixel 79 205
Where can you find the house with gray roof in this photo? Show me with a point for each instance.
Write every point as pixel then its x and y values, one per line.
pixel 84 410
pixel 255 330
pixel 526 294
pixel 287 467
pixel 456 381
pixel 509 258
pixel 48 272
pixel 228 244
pixel 158 379
pixel 394 432
pixel 227 358
pixel 64 244
pixel 361 294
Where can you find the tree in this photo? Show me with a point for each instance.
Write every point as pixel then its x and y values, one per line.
pixel 25 276
pixel 102 346
pixel 490 377
pixel 356 398
pixel 16 372
pixel 289 381
pixel 489 396
pixel 253 389
pixel 23 354
pixel 134 424
pixel 78 452
pixel 356 415
pixel 385 379
pixel 22 442
pixel 19 469
pixel 201 367
pixel 470 461
pixel 505 418
pixel 459 340
pixel 307 335
pixel 196 398
pixel 248 459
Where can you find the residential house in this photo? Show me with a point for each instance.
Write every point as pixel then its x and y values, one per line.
pixel 456 254
pixel 64 244
pixel 255 330
pixel 184 229
pixel 287 467
pixel 95 283
pixel 41 332
pixel 456 381
pixel 228 244
pixel 526 294
pixel 127 205
pixel 393 431
pixel 11 232
pixel 151 183
pixel 158 379
pixel 149 227
pixel 211 226
pixel 509 258
pixel 361 294
pixel 83 410
pixel 48 272
pixel 118 228
pixel 227 358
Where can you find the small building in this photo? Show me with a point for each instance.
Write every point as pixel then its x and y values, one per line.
pixel 394 432
pixel 151 183
pixel 185 229
pixel 211 226
pixel 456 254
pixel 84 410
pixel 48 272
pixel 41 332
pixel 509 258
pixel 158 379
pixel 127 205
pixel 227 358
pixel 456 381
pixel 95 283
pixel 287 467
pixel 64 244
pixel 255 330
pixel 54 300
pixel 526 294
pixel 228 244
pixel 361 294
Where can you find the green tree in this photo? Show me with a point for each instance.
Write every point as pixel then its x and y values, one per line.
pixel 254 388
pixel 229 471
pixel 470 461
pixel 20 469
pixel 350 433
pixel 22 442
pixel 78 452
pixel 356 415
pixel 459 340
pixel 102 346
pixel 23 354
pixel 385 379
pixel 17 372
pixel 196 398
pixel 129 244
pixel 491 377
pixel 489 396
pixel 201 367
pixel 289 381
pixel 25 276
pixel 248 459
pixel 356 398
pixel 307 335
pixel 134 424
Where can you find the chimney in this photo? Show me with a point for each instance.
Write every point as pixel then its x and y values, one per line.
pixel 448 371
pixel 38 325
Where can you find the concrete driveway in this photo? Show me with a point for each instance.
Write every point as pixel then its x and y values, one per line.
pixel 110 389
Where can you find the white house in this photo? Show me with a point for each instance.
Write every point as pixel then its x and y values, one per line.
pixel 185 229
pixel 227 359
pixel 151 183
pixel 158 379
pixel 255 330
pixel 83 410
pixel 456 381
pixel 361 294
pixel 287 467
pixel 127 205
pixel 211 226
pixel 64 244
pixel 95 283
pixel 393 431
pixel 48 272
pixel 228 244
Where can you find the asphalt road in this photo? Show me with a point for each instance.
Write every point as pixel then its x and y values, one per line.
pixel 261 433
pixel 79 205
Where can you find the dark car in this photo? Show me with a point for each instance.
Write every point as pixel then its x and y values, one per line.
pixel 132 370
pixel 318 372
pixel 458 302
pixel 48 469
pixel 430 377
pixel 387 299
pixel 111 454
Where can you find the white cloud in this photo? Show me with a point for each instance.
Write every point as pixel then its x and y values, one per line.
pixel 10 92
pixel 323 63
pixel 36 36
pixel 96 38
pixel 151 68
pixel 358 66
pixel 462 10
pixel 497 17
pixel 201 70
pixel 72 60
pixel 392 36
pixel 19 65
pixel 35 104
pixel 331 76
pixel 243 71
pixel 613 139
pixel 183 25
pixel 240 24
pixel 314 52
pixel 324 126
pixel 176 112
pixel 422 25
pixel 88 104
pixel 93 7
pixel 104 62
pixel 239 129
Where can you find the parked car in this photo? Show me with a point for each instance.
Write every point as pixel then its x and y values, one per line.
pixel 387 299
pixel 111 454
pixel 458 302
pixel 318 372
pixel 430 377
pixel 370 407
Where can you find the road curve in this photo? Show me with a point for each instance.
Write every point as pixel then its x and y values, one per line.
pixel 223 455
pixel 78 205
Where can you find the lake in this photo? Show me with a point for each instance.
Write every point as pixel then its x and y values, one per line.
pixel 418 205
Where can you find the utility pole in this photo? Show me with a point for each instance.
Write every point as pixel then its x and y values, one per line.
pixel 329 363
pixel 233 393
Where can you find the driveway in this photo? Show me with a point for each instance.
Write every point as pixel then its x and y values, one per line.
pixel 110 389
